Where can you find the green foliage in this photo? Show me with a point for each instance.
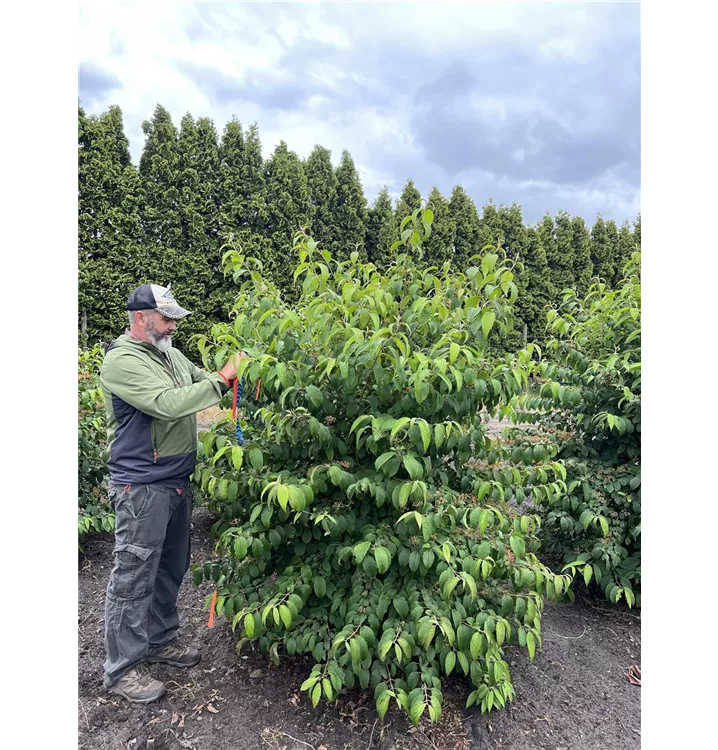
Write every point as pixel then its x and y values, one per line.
pixel 602 252
pixel 537 293
pixel 350 213
pixel 322 186
pixel 167 221
pixel 503 226
pixel 242 184
pixel 625 248
pixel 198 179
pixel 242 198
pixel 109 197
pixel 161 219
pixel 439 245
pixel 409 200
pixel 562 263
pixel 582 263
pixel 234 211
pixel 637 231
pixel 382 231
pixel 288 208
pixel 589 402
pixel 94 512
pixel 469 238
pixel 366 520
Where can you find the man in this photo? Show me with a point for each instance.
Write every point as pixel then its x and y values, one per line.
pixel 152 393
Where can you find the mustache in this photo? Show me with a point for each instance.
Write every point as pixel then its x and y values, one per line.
pixel 156 334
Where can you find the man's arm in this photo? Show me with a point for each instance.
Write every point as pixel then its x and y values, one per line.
pixel 198 374
pixel 228 373
pixel 130 378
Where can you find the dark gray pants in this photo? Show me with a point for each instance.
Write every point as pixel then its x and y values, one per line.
pixel 152 554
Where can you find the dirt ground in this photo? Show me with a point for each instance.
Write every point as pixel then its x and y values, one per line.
pixel 573 696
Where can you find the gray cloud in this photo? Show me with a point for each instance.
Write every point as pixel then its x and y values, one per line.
pixel 94 83
pixel 255 88
pixel 538 104
pixel 546 131
pixel 216 21
pixel 289 92
pixel 526 146
pixel 207 23
pixel 456 122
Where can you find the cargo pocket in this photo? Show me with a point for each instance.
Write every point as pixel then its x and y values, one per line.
pixel 131 575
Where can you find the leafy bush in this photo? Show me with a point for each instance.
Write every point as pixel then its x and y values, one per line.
pixel 589 399
pixel 353 525
pixel 94 512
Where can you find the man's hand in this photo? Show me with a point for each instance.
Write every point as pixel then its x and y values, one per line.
pixel 229 370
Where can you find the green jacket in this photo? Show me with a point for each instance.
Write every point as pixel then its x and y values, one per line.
pixel 151 400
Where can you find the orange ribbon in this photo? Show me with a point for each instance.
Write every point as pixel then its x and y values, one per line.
pixel 210 624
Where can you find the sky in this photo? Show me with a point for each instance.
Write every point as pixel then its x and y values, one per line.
pixel 533 103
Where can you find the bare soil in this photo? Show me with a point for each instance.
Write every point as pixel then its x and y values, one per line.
pixel 207 417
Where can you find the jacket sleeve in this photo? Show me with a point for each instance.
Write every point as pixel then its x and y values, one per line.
pixel 130 378
pixel 198 374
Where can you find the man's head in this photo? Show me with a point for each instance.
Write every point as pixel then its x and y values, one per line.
pixel 153 315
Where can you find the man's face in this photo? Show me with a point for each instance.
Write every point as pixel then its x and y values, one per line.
pixel 159 330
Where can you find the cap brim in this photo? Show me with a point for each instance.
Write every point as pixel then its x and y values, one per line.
pixel 173 312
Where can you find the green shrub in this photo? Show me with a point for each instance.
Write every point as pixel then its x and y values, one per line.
pixel 353 526
pixel 589 398
pixel 94 513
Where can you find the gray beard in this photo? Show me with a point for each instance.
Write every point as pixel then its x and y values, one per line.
pixel 163 343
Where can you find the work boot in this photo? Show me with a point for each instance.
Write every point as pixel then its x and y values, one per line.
pixel 138 688
pixel 175 655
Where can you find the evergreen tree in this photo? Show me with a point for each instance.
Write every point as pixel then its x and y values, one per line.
pixel 288 209
pixel 562 268
pixel 381 230
pixel 232 209
pixel 109 251
pixel 243 191
pixel 322 185
pixel 469 237
pixel 514 238
pixel 161 219
pixel 638 231
pixel 199 280
pixel 439 246
pixel 502 227
pixel 538 292
pixel 582 263
pixel 350 214
pixel 612 231
pixel 254 183
pixel 602 251
pixel 626 246
pixel 167 221
pixel 409 199
pixel 490 224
